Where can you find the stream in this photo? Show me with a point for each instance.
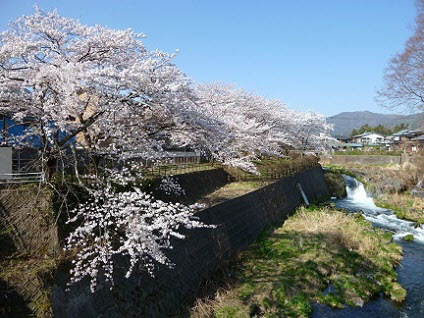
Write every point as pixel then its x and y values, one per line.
pixel 410 270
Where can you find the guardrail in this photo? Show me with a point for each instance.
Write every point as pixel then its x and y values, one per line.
pixel 30 177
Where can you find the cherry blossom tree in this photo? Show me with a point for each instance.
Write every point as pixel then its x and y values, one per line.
pixel 71 82
pixel 74 85
pixel 258 126
pixel 248 119
pixel 100 89
pixel 130 223
pixel 310 131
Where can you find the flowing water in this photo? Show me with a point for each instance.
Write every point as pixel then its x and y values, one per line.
pixel 410 271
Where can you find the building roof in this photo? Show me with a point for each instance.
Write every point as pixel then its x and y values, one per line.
pixel 402 132
pixel 352 144
pixel 362 135
pixel 367 134
pixel 420 138
pixel 409 132
pixel 342 138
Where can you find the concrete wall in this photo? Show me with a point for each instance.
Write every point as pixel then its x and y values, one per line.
pixel 239 222
pixel 365 160
pixel 5 162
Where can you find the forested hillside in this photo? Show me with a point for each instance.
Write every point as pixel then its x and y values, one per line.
pixel 345 122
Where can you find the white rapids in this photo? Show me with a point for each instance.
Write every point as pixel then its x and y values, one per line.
pixel 358 200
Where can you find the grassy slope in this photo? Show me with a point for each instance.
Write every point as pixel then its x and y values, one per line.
pixel 282 273
pixel 405 206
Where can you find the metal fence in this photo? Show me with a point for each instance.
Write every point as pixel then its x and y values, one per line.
pixel 269 172
pixel 26 167
pixel 175 169
pixel 32 177
pixel 275 172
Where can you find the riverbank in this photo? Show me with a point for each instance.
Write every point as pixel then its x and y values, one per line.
pixel 318 255
pixel 379 179
pixel 405 206
pixel 390 186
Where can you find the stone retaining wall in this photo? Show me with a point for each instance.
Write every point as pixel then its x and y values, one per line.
pixel 239 221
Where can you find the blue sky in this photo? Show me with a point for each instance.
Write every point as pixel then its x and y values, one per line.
pixel 326 55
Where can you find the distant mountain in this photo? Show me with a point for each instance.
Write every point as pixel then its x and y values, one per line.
pixel 345 122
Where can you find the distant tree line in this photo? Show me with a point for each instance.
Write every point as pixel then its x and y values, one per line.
pixel 380 129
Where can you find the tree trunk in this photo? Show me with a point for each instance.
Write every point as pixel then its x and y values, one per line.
pixel 49 167
pixel 93 164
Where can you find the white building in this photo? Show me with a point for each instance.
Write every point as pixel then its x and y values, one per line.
pixel 369 138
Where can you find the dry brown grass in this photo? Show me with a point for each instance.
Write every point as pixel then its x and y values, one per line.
pixel 339 230
pixel 406 206
pixel 223 298
pixel 232 190
pixel 28 276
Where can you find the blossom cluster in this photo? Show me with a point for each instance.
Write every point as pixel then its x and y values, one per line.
pixel 170 186
pixel 130 223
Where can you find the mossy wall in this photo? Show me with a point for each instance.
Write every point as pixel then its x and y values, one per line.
pixel 336 184
pixel 29 246
pixel 202 252
pixel 27 219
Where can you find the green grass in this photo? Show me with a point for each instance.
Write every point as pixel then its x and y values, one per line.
pixel 340 170
pixel 284 272
pixel 400 212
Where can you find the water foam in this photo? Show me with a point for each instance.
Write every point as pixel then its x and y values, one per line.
pixel 358 200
